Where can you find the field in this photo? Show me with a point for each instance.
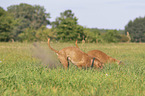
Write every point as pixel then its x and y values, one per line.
pixel 26 70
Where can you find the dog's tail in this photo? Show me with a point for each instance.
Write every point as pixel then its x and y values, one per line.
pixel 51 47
pixel 76 44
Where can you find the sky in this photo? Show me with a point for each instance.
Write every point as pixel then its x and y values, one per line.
pixel 102 14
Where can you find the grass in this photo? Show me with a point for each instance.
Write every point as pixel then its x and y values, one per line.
pixel 22 74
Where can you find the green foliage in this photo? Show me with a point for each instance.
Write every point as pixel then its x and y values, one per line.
pixel 7 24
pixel 43 33
pixel 2 11
pixel 123 38
pixel 66 27
pixel 105 30
pixel 28 16
pixel 23 75
pixel 28 35
pixel 111 36
pixel 136 28
pixel 104 35
pixel 25 22
pixel 31 34
pixel 92 35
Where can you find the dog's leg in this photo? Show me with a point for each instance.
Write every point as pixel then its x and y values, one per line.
pixel 63 61
pixel 68 62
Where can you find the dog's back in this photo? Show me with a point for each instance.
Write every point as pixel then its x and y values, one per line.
pixel 99 55
pixel 74 54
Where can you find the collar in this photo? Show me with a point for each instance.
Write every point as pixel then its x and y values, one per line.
pixel 92 63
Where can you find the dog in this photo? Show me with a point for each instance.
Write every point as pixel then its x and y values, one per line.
pixel 76 56
pixel 101 56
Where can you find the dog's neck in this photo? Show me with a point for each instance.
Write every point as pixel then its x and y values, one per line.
pixel 92 62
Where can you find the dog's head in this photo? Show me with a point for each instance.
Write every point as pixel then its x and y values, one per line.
pixel 121 63
pixel 116 61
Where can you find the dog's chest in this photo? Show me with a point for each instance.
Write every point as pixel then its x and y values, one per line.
pixel 76 61
pixel 73 61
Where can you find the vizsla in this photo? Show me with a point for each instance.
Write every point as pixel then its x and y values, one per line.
pixel 101 56
pixel 76 56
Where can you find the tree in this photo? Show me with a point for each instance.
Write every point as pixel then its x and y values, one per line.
pixel 28 16
pixel 111 36
pixel 7 24
pixel 43 33
pixel 67 28
pixel 30 35
pixel 136 29
pixel 92 35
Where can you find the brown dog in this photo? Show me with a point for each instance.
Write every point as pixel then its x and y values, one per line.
pixel 76 56
pixel 101 56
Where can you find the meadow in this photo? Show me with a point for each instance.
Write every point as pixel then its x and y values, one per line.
pixel 29 71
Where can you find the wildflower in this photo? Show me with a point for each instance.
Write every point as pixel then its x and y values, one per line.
pixel 106 74
pixel 0 61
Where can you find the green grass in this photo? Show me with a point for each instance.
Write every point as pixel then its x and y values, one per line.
pixel 21 74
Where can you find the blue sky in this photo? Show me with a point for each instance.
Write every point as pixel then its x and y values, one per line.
pixel 107 14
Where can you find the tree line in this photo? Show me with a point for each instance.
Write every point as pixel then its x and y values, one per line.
pixel 27 23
